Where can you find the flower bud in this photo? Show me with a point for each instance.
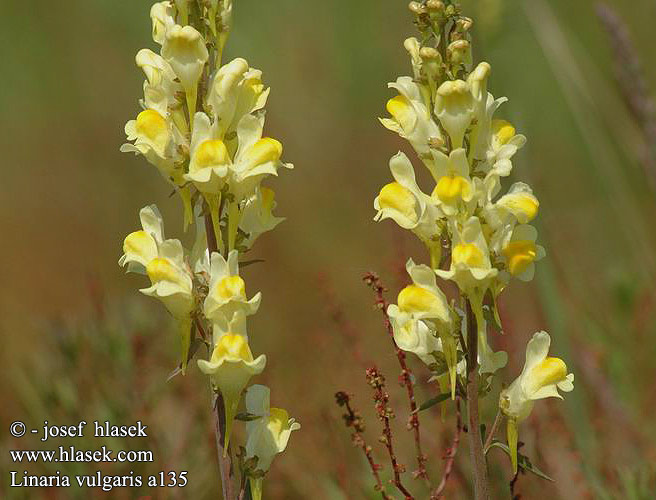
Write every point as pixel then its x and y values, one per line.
pixel 436 11
pixel 429 53
pixel 435 6
pixel 459 52
pixel 431 62
pixel 464 23
pixel 417 8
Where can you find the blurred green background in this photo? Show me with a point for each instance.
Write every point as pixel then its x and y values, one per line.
pixel 80 342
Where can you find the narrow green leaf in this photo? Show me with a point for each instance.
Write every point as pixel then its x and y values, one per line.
pixel 433 401
pixel 522 460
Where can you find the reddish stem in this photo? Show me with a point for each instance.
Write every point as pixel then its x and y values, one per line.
pixel 385 413
pixel 353 419
pixel 449 456
pixel 405 378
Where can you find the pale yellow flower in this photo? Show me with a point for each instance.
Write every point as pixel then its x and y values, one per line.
pixel 235 91
pixel 268 435
pixel 172 284
pixel 256 158
pixel 451 175
pixel 521 252
pixel 541 378
pixel 403 201
pixel 162 17
pixel 171 279
pixel 209 159
pixel 503 145
pixel 519 205
pixel 413 335
pixel 520 202
pixel 230 368
pixel 257 215
pixel 146 251
pixel 227 291
pixel 140 247
pixel 470 259
pixel 454 107
pixel 184 49
pixel 413 47
pixel 411 117
pixel 157 138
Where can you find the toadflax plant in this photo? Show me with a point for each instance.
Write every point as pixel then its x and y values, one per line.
pixel 476 236
pixel 202 128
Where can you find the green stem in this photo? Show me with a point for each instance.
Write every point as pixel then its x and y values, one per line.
pixel 192 97
pixel 479 465
pixel 233 224
pixel 218 405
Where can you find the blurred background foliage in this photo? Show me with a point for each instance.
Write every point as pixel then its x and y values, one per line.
pixel 79 342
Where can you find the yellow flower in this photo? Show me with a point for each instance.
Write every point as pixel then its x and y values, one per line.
pixel 413 335
pixel 268 435
pixel 503 145
pixel 257 217
pixel 541 378
pixel 470 260
pixel 489 361
pixel 520 202
pixel 184 49
pixel 423 299
pixel 227 292
pixel 157 139
pixel 146 251
pixel 403 201
pixel 256 158
pixel 210 161
pixel 162 15
pixel 161 83
pixel 413 47
pixel 140 247
pixel 521 252
pixel 421 316
pixel 411 118
pixel 230 368
pixel 236 90
pixel 454 107
pixel 171 279
pixel 453 184
pixel 158 72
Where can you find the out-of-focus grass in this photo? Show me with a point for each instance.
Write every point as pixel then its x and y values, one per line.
pixel 109 367
pixel 68 197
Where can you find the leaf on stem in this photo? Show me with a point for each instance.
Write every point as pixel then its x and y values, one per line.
pixel 522 461
pixel 433 401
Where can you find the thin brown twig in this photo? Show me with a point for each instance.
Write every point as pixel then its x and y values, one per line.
pixel 405 378
pixel 242 487
pixel 512 484
pixel 385 414
pixel 449 456
pixel 493 431
pixel 353 419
